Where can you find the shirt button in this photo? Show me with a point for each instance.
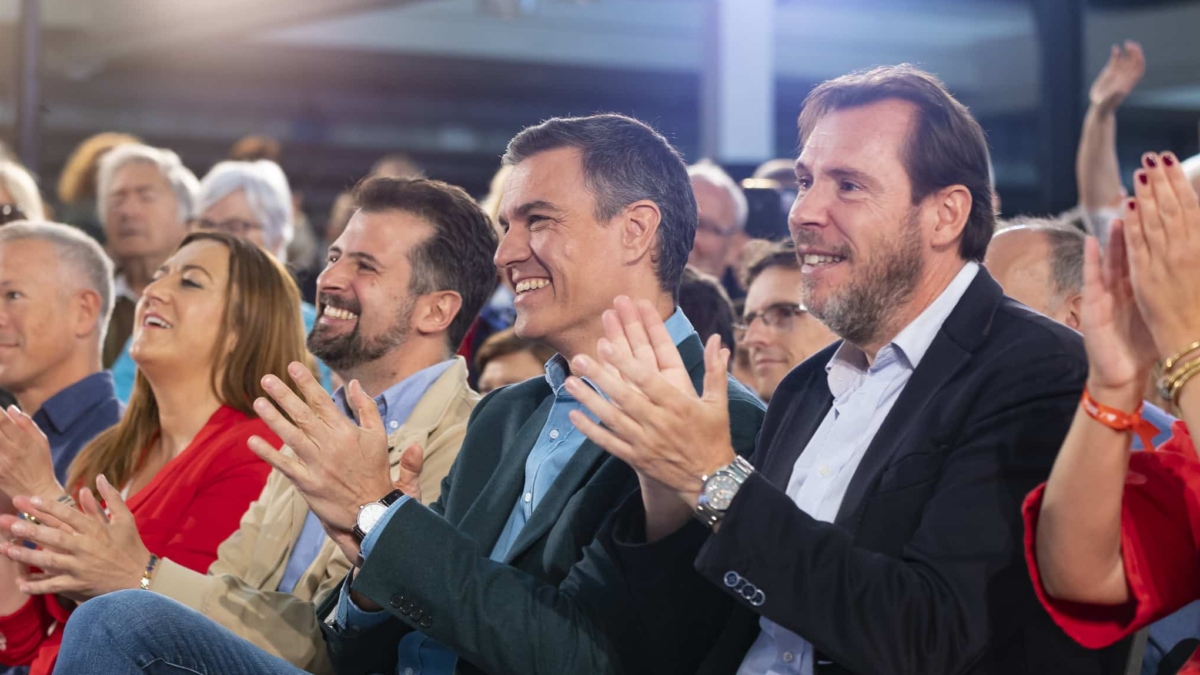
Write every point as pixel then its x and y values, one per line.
pixel 393 424
pixel 553 434
pixel 788 657
pixel 528 497
pixel 824 470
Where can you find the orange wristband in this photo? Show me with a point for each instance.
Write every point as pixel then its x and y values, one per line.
pixel 1121 421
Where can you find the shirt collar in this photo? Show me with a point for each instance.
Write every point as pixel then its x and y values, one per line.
pixel 396 402
pixel 121 288
pixel 64 408
pixel 557 368
pixel 909 346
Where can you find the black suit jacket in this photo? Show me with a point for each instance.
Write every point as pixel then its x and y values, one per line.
pixel 557 603
pixel 922 571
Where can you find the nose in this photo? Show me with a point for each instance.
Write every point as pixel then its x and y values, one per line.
pixel 157 291
pixel 757 333
pixel 811 209
pixel 514 247
pixel 335 277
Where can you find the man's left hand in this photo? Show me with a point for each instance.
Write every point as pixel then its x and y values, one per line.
pixel 656 422
pixel 338 466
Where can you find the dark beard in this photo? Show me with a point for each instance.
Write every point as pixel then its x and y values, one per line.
pixel 346 352
pixel 860 310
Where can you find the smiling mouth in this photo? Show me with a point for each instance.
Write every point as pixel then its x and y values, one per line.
pixel 156 322
pixel 340 314
pixel 528 285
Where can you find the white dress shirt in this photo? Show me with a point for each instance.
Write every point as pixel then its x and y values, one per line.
pixel 862 397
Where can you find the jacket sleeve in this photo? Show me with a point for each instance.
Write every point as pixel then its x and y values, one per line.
pixel 1158 546
pixel 921 611
pixel 502 619
pixel 23 631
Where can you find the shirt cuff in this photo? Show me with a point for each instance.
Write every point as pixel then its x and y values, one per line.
pixel 350 615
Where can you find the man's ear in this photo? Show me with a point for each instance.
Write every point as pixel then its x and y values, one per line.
pixel 639 229
pixel 1071 311
pixel 436 311
pixel 952 206
pixel 85 313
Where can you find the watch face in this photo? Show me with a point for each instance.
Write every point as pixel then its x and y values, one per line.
pixel 369 515
pixel 719 491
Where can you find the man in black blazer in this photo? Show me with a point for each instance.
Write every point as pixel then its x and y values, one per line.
pixel 876 529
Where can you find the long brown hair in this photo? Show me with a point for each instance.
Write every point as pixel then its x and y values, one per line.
pixel 262 306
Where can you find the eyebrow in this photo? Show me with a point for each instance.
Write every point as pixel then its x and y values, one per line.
pixel 524 209
pixel 189 268
pixel 364 257
pixel 842 173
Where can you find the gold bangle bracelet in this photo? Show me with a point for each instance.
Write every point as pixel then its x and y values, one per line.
pixel 1181 378
pixel 1166 381
pixel 1170 363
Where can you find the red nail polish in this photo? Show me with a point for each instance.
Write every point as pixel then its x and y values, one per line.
pixel 1132 205
pixel 1150 161
pixel 1144 178
pixel 1168 160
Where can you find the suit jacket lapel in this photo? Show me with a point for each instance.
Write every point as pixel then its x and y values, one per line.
pixel 486 517
pixel 798 423
pixel 963 331
pixel 582 464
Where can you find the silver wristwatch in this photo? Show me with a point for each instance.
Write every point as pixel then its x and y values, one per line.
pixel 719 490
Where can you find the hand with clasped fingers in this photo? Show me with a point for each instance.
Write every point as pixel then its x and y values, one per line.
pixel 83 552
pixel 335 464
pixel 656 421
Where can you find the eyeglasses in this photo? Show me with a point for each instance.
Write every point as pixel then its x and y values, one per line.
pixel 10 213
pixel 233 226
pixel 779 316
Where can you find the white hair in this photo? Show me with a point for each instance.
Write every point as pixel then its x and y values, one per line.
pixel 19 184
pixel 77 252
pixel 182 181
pixel 267 193
pixel 714 175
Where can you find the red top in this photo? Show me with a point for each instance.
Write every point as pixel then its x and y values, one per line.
pixel 1160 544
pixel 190 507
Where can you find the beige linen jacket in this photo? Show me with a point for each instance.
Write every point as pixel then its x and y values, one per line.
pixel 239 591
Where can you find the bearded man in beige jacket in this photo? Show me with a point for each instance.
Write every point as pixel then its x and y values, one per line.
pixel 400 289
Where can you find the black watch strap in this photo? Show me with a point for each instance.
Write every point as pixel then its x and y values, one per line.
pixel 388 499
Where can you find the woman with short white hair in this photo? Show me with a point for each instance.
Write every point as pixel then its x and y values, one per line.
pixel 250 200
pixel 19 191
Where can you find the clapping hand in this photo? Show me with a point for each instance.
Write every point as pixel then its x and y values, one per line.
pixel 337 465
pixel 84 553
pixel 26 466
pixel 655 422
pixel 1162 236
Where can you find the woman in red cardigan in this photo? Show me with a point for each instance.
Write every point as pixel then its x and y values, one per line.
pixel 219 315
pixel 1113 538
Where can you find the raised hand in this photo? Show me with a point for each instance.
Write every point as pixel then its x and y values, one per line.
pixel 655 422
pixel 1125 67
pixel 1120 348
pixel 336 465
pixel 1162 235
pixel 26 467
pixel 84 553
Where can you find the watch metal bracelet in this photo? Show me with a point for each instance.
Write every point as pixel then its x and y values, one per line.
pixel 710 511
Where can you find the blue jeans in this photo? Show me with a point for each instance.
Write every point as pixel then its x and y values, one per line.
pixel 143 632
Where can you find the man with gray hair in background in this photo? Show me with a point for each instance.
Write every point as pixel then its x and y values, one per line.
pixel 145 198
pixel 56 295
pixel 720 233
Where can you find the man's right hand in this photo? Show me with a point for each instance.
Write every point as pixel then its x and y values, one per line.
pixel 1125 67
pixel 409 480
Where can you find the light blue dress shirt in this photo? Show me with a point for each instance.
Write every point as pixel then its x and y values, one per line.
pixel 556 445
pixel 395 405
pixel 863 394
